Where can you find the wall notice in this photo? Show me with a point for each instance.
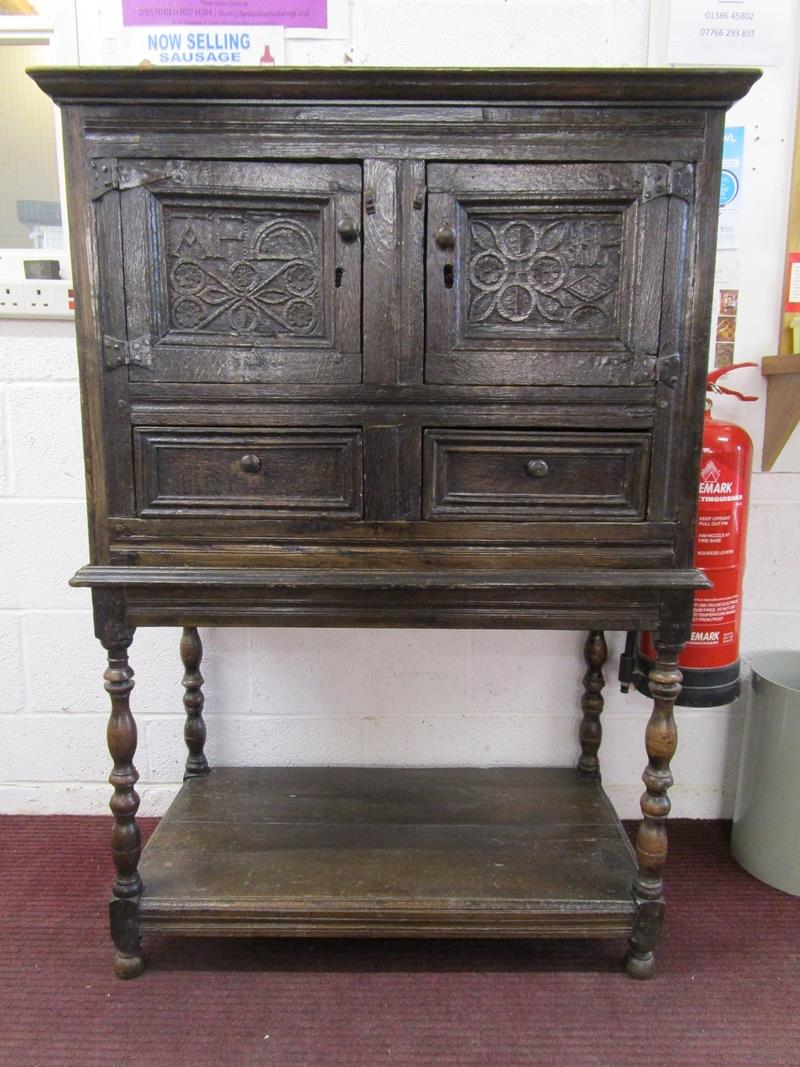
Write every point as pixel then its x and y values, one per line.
pixel 730 188
pixel 728 32
pixel 197 46
pixel 298 14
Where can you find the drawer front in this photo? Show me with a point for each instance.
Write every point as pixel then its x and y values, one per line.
pixel 312 472
pixel 490 474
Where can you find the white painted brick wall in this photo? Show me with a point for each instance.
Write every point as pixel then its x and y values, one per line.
pixel 342 696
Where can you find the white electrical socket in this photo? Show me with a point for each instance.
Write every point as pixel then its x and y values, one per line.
pixel 12 298
pixel 37 298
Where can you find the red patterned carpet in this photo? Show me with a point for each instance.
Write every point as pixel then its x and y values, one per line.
pixel 727 993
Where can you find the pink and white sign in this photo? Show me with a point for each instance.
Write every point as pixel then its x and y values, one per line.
pixel 293 14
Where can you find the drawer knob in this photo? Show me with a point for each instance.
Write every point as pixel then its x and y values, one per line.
pixel 250 463
pixel 537 468
pixel 445 236
pixel 347 229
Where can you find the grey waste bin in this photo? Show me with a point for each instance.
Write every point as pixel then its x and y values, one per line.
pixel 766 821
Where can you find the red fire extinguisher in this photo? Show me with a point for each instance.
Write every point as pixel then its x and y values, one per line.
pixel 710 660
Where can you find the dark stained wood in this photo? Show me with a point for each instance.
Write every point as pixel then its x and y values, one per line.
pixel 391 472
pixel 494 474
pixel 557 273
pixel 438 597
pixel 394 224
pixel 88 329
pixel 595 652
pixel 387 852
pixel 295 472
pixel 628 406
pixel 683 401
pixel 392 348
pixel 194 730
pixel 237 271
pixel 393 541
pixel 116 636
pixel 667 87
pixel 285 577
pixel 651 840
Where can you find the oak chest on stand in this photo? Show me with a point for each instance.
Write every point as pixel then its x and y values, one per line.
pixel 392 348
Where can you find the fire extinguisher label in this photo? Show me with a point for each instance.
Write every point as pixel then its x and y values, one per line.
pixel 719 520
pixel 718 550
pixel 715 613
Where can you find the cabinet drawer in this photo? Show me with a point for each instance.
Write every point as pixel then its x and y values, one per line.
pixel 313 472
pixel 484 474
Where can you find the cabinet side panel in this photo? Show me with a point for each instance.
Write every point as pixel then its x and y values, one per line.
pixel 83 249
pixel 114 382
pixel 667 484
pixel 689 400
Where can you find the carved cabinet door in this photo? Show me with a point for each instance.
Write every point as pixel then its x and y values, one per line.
pixel 242 271
pixel 548 274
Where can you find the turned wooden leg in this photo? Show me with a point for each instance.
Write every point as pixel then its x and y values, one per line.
pixel 595 652
pixel 651 839
pixel 125 841
pixel 194 731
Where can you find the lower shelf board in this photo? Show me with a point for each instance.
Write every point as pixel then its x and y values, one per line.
pixel 387 852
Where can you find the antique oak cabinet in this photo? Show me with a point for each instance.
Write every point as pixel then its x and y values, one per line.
pixel 392 348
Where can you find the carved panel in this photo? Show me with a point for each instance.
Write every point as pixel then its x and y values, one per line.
pixel 555 276
pixel 550 274
pixel 242 270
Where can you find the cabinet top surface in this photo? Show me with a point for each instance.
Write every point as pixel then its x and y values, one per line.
pixel 693 87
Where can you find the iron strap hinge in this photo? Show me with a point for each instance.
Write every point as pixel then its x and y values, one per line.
pixel 104 176
pixel 675 180
pixel 663 369
pixel 117 353
pixel 668 369
pixel 108 174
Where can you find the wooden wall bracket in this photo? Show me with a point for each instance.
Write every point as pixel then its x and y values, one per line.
pixel 783 404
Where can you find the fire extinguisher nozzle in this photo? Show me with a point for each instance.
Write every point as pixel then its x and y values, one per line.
pixel 627 662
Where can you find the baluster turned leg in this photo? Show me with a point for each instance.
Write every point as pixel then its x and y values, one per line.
pixel 125 840
pixel 194 731
pixel 595 652
pixel 651 839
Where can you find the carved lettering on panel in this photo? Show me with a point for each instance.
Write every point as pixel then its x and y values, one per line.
pixel 243 271
pixel 536 273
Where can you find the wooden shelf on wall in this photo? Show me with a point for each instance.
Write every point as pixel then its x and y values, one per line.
pixel 783 371
pixel 783 404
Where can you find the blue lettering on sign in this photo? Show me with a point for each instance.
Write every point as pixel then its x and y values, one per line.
pixel 216 42
pixel 199 46
pixel 163 40
pixel 200 57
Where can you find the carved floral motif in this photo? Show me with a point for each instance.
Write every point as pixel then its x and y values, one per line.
pixel 557 273
pixel 250 272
